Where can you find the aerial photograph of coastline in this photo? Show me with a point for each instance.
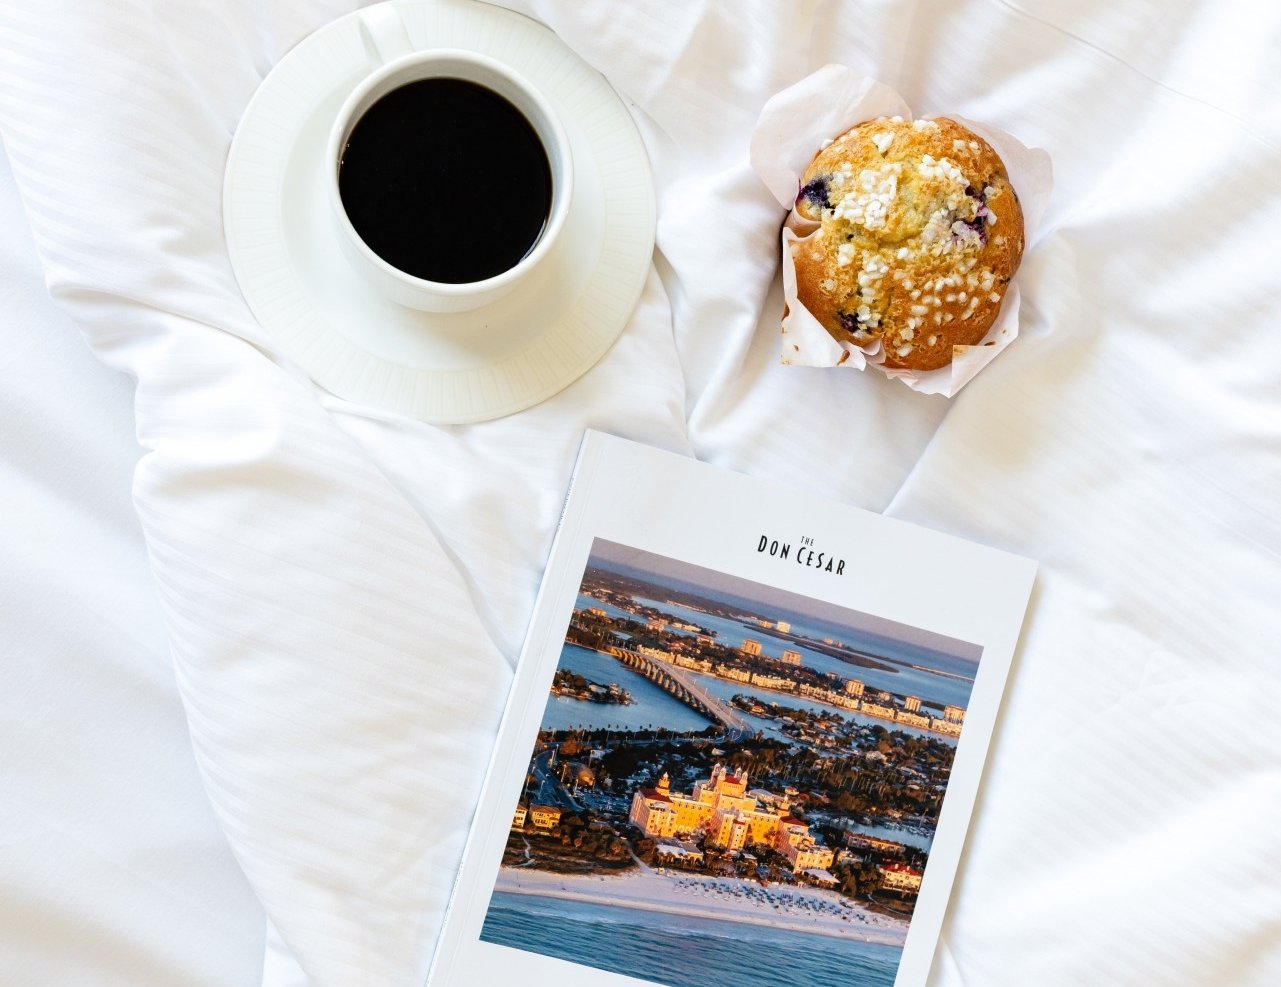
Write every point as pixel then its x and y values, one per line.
pixel 732 785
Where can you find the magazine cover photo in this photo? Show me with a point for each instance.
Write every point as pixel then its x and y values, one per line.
pixel 732 784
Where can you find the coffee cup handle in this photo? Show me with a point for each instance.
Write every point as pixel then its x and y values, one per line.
pixel 384 34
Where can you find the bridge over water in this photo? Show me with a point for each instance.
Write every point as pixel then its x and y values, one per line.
pixel 681 684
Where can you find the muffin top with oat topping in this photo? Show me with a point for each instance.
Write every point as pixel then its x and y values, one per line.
pixel 919 233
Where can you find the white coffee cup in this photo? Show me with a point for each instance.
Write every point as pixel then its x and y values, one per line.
pixel 401 64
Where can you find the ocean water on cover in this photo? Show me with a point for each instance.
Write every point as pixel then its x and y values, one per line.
pixel 905 680
pixel 682 951
pixel 651 706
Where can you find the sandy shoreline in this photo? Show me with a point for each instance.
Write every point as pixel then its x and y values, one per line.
pixel 796 909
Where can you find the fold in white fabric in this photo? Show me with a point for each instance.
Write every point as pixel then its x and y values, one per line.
pixel 345 591
pixel 113 871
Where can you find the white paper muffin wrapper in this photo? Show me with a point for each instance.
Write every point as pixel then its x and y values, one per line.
pixel 793 126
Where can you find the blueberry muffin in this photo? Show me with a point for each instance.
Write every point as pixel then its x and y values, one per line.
pixel 919 234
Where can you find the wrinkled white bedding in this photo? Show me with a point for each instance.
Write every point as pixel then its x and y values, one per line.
pixel 344 592
pixel 113 870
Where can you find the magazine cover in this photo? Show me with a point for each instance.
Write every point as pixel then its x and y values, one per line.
pixel 743 743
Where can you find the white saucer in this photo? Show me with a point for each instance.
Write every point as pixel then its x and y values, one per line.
pixel 462 367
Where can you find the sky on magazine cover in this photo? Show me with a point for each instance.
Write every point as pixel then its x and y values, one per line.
pixel 858 629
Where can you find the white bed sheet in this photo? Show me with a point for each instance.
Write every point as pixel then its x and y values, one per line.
pixel 113 871
pixel 308 552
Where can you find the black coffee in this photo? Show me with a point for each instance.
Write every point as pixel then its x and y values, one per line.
pixel 446 180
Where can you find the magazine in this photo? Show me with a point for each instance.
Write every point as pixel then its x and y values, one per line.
pixel 743 742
